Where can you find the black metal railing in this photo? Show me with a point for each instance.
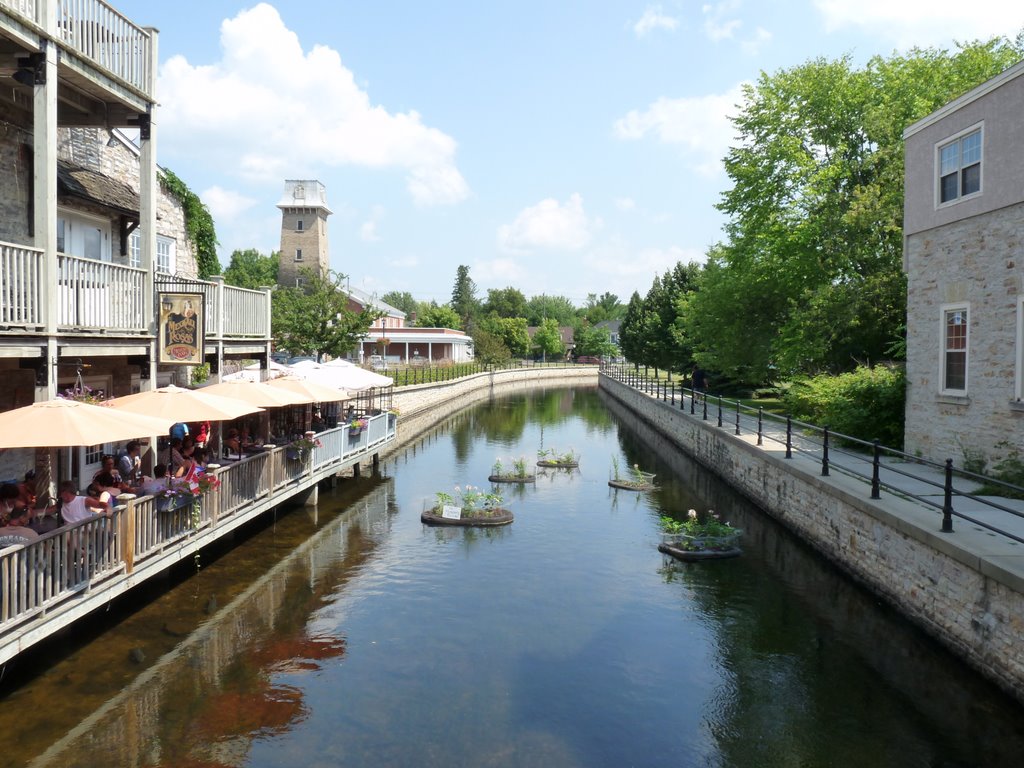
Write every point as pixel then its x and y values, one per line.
pixel 881 468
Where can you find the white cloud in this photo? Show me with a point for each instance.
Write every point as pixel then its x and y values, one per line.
pixel 700 125
pixel 498 272
pixel 924 22
pixel 549 224
pixel 753 46
pixel 268 111
pixel 625 203
pixel 226 204
pixel 368 229
pixel 718 24
pixel 405 262
pixel 653 19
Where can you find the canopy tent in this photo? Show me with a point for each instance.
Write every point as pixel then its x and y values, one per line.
pixel 67 423
pixel 255 373
pixel 319 393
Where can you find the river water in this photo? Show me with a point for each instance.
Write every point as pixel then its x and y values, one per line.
pixel 353 635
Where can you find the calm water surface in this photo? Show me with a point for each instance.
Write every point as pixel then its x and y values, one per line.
pixel 357 636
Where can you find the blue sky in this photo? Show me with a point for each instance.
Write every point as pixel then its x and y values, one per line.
pixel 559 147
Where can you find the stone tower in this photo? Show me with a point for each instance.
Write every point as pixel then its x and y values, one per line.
pixel 304 215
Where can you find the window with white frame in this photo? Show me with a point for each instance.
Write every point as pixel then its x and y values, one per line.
pixel 82 235
pixel 298 225
pixel 165 252
pixel 960 167
pixel 955 344
pixel 298 254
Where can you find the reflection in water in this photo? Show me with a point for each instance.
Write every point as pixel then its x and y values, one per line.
pixel 206 701
pixel 564 639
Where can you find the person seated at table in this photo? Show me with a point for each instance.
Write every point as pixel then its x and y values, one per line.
pixel 176 458
pixel 158 482
pixel 107 489
pixel 202 458
pixel 108 467
pixel 27 489
pixel 74 508
pixel 187 468
pixel 233 443
pixel 10 501
pixel 129 462
pixel 15 528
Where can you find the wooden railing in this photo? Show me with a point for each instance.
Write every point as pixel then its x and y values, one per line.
pixel 21 288
pixel 97 294
pixel 230 312
pixel 96 32
pixel 142 538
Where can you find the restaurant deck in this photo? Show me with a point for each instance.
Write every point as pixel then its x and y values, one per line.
pixel 64 575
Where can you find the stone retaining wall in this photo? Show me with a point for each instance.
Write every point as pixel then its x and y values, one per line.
pixel 973 603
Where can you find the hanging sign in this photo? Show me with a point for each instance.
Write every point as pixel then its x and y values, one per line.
pixel 181 328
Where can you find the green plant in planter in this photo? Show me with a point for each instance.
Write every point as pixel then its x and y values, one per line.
pixel 694 533
pixel 519 465
pixel 550 455
pixel 497 468
pixel 473 501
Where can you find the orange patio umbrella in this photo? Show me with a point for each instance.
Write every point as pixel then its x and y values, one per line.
pixel 64 423
pixel 316 393
pixel 256 393
pixel 179 404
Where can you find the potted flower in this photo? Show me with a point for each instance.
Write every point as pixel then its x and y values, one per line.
pixel 516 473
pixel 357 425
pixel 467 506
pixel 300 446
pixel 698 539
pixel 552 458
pixel 633 480
pixel 175 495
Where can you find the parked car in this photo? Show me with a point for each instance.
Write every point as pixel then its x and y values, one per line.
pixel 588 360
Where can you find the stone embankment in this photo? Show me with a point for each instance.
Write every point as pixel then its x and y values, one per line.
pixel 965 588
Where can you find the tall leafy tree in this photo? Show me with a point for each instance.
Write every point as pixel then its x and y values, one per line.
pixel 433 315
pixel 464 299
pixel 314 318
pixel 505 302
pixel 605 307
pixel 252 269
pixel 591 340
pixel 488 348
pixel 547 339
pixel 542 307
pixel 632 330
pixel 402 300
pixel 511 330
pixel 810 276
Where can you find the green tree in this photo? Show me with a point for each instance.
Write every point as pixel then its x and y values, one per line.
pixel 251 269
pixel 810 277
pixel 464 300
pixel 488 348
pixel 542 307
pixel 605 307
pixel 314 319
pixel 438 316
pixel 505 302
pixel 547 339
pixel 402 300
pixel 593 341
pixel 632 331
pixel 511 330
pixel 198 224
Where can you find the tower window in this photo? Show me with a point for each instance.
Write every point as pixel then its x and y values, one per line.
pixel 298 225
pixel 298 254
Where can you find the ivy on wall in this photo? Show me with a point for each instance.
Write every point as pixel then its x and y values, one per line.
pixel 198 224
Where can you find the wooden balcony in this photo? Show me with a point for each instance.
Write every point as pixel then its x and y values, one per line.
pixel 60 577
pixel 93 39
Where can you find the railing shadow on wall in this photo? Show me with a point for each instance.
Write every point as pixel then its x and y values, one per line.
pixel 40 575
pixel 880 467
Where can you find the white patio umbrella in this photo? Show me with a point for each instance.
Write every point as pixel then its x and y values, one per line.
pixel 254 373
pixel 66 423
pixel 181 404
pixel 343 374
pixel 319 393
pixel 256 393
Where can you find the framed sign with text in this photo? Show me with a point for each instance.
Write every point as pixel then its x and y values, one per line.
pixel 182 325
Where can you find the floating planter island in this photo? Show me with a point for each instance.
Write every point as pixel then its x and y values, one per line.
pixel 512 478
pixel 468 506
pixel 518 474
pixel 638 480
pixel 553 459
pixel 477 517
pixel 695 539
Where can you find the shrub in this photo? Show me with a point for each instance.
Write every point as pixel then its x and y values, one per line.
pixel 866 403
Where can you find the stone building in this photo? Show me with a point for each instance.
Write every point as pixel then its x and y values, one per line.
pixel 304 243
pixel 964 260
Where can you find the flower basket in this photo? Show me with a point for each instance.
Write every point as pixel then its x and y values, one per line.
pixel 293 454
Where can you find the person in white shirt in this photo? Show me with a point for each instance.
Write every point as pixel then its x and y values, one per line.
pixel 74 508
pixel 16 530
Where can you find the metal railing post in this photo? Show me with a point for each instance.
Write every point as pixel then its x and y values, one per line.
pixel 876 462
pixel 673 403
pixel 824 453
pixel 737 417
pixel 947 504
pixel 693 401
pixel 719 410
pixel 704 400
pixel 789 437
pixel 760 425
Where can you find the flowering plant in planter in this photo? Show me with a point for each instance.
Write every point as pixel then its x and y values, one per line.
pixel 552 458
pixel 357 424
pixel 473 501
pixel 302 444
pixel 516 473
pixel 83 393
pixel 695 534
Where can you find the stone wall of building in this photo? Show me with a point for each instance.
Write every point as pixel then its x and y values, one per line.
pixel 893 546
pixel 979 260
pixel 15 184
